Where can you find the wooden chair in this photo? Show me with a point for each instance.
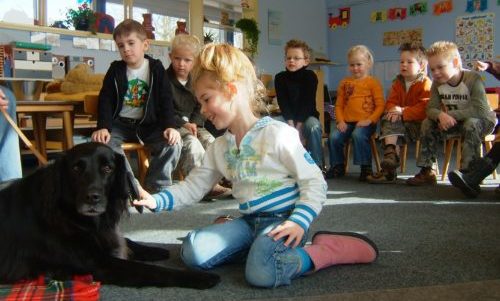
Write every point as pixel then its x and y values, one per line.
pixel 373 145
pixel 403 152
pixel 450 142
pixel 90 106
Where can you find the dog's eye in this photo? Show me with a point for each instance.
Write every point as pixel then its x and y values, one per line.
pixel 107 169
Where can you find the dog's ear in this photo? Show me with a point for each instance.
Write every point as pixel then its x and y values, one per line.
pixel 119 187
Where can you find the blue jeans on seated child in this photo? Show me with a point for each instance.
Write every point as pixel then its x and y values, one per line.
pixel 313 134
pixel 268 263
pixel 163 159
pixel 360 137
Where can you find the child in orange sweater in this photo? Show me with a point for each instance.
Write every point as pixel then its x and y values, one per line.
pixel 404 109
pixel 360 103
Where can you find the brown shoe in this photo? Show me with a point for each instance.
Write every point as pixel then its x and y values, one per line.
pixel 217 193
pixel 391 159
pixel 383 177
pixel 426 176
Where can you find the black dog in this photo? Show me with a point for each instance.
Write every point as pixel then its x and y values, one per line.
pixel 63 219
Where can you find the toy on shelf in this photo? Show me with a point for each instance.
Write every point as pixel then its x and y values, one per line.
pixel 148 25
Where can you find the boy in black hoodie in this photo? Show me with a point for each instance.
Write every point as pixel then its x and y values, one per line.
pixel 135 105
pixel 296 92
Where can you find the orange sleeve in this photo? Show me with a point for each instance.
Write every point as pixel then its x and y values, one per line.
pixel 340 102
pixel 415 111
pixel 394 98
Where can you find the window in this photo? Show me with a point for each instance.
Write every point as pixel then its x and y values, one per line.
pixel 18 11
pixel 57 9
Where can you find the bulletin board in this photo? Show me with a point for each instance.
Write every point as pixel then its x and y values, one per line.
pixel 475 38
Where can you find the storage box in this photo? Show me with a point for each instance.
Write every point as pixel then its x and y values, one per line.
pixel 72 61
pixel 25 63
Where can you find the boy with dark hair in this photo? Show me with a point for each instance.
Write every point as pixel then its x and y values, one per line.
pixel 135 105
pixel 404 109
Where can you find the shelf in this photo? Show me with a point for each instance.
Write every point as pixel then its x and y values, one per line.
pixel 222 27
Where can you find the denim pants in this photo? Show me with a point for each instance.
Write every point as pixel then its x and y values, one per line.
pixel 163 158
pixel 10 156
pixel 268 263
pixel 313 134
pixel 360 137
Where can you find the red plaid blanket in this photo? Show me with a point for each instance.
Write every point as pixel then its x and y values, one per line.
pixel 81 288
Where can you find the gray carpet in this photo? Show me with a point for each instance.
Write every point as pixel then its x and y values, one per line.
pixel 427 236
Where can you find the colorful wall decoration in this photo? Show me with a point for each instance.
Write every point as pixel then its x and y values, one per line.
pixel 396 38
pixel 418 8
pixel 442 7
pixel 342 19
pixel 476 5
pixel 396 13
pixel 475 38
pixel 378 16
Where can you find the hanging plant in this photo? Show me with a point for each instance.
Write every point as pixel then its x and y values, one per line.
pixel 251 33
pixel 82 18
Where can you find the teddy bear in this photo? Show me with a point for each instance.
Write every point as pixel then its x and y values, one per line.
pixel 81 79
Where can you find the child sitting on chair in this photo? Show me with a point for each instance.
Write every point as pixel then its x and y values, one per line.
pixel 359 105
pixel 404 109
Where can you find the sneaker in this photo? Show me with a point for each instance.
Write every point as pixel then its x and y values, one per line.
pixel 426 176
pixel 366 170
pixel 336 171
pixel 391 158
pixel 382 177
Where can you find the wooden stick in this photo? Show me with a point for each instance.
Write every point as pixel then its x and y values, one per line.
pixel 26 141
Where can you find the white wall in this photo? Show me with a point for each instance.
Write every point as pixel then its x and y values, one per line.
pixel 303 20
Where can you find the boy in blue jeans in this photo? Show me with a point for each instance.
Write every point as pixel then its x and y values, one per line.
pixel 135 105
pixel 296 92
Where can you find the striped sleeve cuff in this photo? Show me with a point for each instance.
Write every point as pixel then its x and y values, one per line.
pixel 303 215
pixel 164 201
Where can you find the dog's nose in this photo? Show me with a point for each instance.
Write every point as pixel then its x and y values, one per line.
pixel 93 198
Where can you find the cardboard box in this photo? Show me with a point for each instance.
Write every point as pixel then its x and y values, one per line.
pixel 72 61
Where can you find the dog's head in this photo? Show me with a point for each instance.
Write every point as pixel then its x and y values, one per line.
pixel 93 180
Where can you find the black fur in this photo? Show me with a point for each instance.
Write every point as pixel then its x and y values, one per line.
pixel 63 220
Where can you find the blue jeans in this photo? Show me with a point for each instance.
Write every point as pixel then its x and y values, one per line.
pixel 360 137
pixel 10 156
pixel 268 263
pixel 313 134
pixel 163 159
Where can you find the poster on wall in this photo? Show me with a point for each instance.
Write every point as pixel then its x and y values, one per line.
pixel 396 38
pixel 274 27
pixel 475 37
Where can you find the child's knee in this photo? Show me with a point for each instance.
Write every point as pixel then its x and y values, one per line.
pixel 260 267
pixel 190 254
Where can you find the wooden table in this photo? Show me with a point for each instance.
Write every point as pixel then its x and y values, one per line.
pixel 39 111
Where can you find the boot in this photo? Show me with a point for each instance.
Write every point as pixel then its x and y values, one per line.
pixel 391 158
pixel 426 176
pixel 331 248
pixel 468 181
pixel 385 176
pixel 366 170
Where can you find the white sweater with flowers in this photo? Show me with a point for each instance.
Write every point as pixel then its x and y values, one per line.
pixel 270 172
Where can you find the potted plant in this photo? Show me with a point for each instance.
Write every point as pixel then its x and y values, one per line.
pixel 208 37
pixel 82 18
pixel 251 33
